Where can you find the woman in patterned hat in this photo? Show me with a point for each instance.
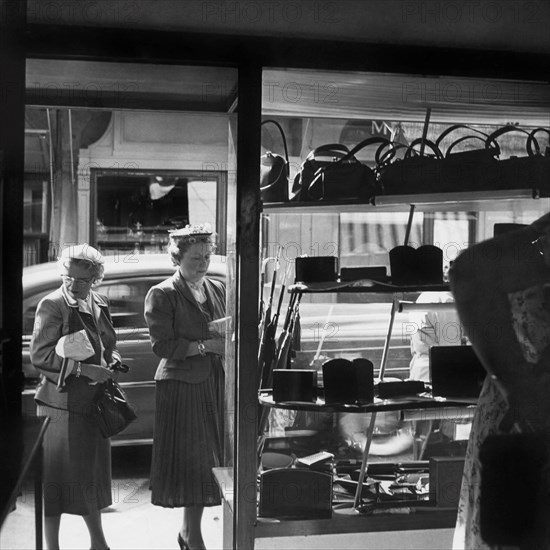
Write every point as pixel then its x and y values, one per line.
pixel 185 315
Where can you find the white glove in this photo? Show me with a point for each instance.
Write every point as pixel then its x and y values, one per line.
pixel 76 346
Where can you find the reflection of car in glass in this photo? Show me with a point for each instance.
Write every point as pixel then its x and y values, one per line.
pixel 328 329
pixel 128 277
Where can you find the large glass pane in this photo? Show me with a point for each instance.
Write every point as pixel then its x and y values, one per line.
pixel 322 108
pixel 117 158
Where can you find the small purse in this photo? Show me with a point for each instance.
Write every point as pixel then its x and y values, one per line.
pixel 113 410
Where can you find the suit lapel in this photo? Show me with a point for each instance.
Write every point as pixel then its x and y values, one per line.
pixel 212 296
pixel 183 289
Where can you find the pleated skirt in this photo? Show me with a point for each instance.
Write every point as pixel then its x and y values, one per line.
pixel 77 464
pixel 188 441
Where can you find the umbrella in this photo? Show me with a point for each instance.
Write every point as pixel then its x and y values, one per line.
pixel 265 319
pixel 281 355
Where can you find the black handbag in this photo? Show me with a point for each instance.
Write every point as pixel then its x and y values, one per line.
pixel 274 172
pixel 467 170
pixel 512 488
pixel 113 410
pixel 414 173
pixel 332 172
pixel 531 171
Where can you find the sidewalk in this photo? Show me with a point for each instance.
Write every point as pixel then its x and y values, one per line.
pixel 131 523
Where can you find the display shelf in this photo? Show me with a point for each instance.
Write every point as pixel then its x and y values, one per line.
pixel 409 403
pixel 463 201
pixel 365 285
pixel 459 408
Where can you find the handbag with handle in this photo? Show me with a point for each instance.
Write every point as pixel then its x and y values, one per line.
pixel 113 410
pixel 415 172
pixel 473 169
pixel 466 170
pixel 332 172
pixel 531 171
pixel 274 172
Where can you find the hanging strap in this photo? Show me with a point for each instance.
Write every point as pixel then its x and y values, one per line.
pixel 92 330
pixel 271 121
pixel 479 134
pixel 533 143
pixel 495 149
pixel 411 152
pixel 491 140
pixel 387 151
pixel 365 143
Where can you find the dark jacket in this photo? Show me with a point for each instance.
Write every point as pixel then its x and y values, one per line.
pixel 56 316
pixel 175 320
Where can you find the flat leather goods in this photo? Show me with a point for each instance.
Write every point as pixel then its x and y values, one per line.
pixel 274 172
pixel 295 493
pixel 316 269
pixel 332 173
pixel 456 372
pixel 423 265
pixel 374 273
pixel 113 410
pixel 401 388
pixel 294 385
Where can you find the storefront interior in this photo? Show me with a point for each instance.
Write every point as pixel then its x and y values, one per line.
pixel 129 133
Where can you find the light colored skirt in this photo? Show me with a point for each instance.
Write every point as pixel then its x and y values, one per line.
pixel 188 441
pixel 77 464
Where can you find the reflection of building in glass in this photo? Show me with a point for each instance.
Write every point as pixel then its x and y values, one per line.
pixel 135 212
pixel 138 211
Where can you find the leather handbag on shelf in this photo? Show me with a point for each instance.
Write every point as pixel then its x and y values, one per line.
pixel 415 172
pixel 465 170
pixel 531 171
pixel 332 172
pixel 113 410
pixel 274 172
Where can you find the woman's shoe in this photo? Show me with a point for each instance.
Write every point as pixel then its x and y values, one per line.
pixel 182 543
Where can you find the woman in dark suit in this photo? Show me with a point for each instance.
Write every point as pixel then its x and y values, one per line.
pixel 181 313
pixel 73 347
